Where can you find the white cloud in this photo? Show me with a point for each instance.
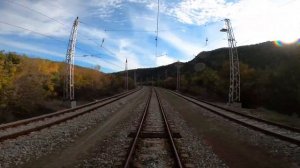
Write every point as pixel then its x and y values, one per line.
pixel 94 61
pixel 26 14
pixel 179 41
pixel 125 52
pixel 53 18
pixel 104 8
pixel 29 47
pixel 91 36
pixel 269 21
pixel 187 48
pixel 164 60
pixel 253 20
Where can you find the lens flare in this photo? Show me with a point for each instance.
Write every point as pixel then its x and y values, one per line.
pixel 278 43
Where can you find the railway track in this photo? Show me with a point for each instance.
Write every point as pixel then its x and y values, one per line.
pixel 283 132
pixel 22 127
pixel 153 144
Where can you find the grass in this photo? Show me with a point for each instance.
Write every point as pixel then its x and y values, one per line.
pixel 289 120
pixel 293 120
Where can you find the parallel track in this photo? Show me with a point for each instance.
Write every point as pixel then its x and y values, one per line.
pixel 133 147
pixel 69 114
pixel 283 132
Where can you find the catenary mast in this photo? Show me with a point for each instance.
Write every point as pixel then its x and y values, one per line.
pixel 126 75
pixel 69 71
pixel 234 86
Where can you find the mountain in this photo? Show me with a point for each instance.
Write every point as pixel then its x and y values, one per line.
pixel 270 76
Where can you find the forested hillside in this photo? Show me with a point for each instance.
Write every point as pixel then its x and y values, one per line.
pixel 270 76
pixel 30 86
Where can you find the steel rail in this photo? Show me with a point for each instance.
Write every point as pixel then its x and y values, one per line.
pixel 60 112
pixel 174 149
pixel 134 143
pixel 37 128
pixel 139 130
pixel 295 129
pixel 252 126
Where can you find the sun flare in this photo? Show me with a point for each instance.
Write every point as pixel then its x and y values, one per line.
pixel 289 40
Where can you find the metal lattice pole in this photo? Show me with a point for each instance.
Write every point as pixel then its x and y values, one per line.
pixel 126 76
pixel 178 66
pixel 135 78
pixel 178 83
pixel 234 86
pixel 69 73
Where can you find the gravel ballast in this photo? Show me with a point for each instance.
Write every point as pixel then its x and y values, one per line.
pixel 112 151
pixel 261 149
pixel 191 144
pixel 29 148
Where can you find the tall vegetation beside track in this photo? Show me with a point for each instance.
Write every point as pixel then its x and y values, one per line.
pixel 31 86
pixel 270 76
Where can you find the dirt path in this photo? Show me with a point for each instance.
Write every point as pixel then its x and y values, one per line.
pixel 80 147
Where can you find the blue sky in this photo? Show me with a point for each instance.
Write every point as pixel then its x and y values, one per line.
pixel 128 28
